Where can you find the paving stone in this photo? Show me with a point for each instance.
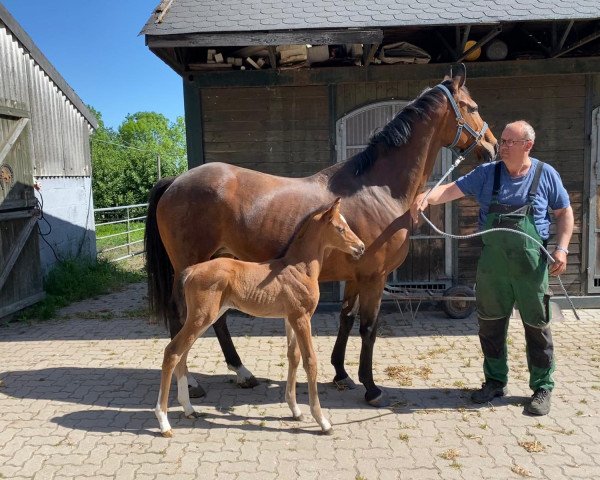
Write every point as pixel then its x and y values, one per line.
pixel 78 396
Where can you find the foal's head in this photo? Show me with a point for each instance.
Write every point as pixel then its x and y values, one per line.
pixel 336 232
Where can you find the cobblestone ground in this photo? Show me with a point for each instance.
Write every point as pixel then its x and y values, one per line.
pixel 76 399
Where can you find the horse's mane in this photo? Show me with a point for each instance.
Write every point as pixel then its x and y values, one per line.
pixel 398 131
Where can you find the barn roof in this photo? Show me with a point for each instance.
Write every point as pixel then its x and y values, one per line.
pixel 29 45
pixel 204 16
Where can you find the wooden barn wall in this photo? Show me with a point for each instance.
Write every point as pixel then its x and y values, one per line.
pixel 553 104
pixel 290 130
pixel 278 130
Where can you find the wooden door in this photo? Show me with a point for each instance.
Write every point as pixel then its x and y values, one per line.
pixel 20 273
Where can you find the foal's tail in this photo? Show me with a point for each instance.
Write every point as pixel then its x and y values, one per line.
pixel 158 265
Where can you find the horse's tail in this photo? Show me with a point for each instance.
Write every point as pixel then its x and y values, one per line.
pixel 158 265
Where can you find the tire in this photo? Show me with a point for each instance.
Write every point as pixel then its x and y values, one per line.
pixel 458 308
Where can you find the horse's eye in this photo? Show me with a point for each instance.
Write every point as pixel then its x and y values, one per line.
pixel 472 109
pixel 341 229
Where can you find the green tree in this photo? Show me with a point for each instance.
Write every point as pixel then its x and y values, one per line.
pixel 125 162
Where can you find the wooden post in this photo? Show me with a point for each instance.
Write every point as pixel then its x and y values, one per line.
pixel 158 165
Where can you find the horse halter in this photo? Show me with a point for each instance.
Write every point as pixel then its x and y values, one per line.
pixel 462 124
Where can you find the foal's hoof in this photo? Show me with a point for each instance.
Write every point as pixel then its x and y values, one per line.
pixel 167 434
pixel 344 384
pixel 327 432
pixel 196 392
pixel 250 382
pixel 299 418
pixel 379 401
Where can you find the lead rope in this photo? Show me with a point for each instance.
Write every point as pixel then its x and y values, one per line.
pixel 478 234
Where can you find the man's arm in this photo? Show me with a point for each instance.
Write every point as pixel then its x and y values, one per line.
pixel 564 230
pixel 442 194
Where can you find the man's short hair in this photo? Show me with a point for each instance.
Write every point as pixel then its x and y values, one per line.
pixel 528 131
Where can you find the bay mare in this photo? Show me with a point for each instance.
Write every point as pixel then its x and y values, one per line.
pixel 219 209
pixel 287 287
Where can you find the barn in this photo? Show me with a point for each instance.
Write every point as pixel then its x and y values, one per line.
pixel 44 137
pixel 291 88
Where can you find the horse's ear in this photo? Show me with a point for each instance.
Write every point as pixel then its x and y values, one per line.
pixel 459 75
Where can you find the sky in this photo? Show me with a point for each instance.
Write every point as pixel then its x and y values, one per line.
pixel 94 45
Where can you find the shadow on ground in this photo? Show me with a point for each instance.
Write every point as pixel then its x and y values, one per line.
pixel 127 397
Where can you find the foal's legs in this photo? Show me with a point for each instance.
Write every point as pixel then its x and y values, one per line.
pixel 301 326
pixel 293 354
pixel 176 320
pixel 347 315
pixel 175 352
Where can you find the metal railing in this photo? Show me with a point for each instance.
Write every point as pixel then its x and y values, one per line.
pixel 127 215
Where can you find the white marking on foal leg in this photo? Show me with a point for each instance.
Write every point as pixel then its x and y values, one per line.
pixel 183 396
pixel 163 421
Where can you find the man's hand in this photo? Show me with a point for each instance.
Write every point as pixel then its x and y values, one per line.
pixel 418 206
pixel 560 263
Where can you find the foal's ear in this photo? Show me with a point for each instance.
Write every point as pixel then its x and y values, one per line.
pixel 333 210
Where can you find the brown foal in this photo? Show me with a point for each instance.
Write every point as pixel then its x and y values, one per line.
pixel 286 287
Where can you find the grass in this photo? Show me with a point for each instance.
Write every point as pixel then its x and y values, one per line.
pixel 119 228
pixel 70 281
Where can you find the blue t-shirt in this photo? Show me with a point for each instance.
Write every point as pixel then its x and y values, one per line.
pixel 513 191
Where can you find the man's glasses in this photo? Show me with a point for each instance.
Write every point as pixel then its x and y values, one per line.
pixel 510 143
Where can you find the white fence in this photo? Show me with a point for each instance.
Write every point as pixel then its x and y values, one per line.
pixel 120 231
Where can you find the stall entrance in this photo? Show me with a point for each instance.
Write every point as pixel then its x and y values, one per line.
pixel 429 262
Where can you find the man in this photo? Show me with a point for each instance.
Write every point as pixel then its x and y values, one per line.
pixel 514 193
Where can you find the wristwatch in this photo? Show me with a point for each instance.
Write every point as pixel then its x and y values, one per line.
pixel 562 249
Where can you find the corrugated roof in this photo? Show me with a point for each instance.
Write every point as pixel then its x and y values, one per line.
pixel 29 45
pixel 204 16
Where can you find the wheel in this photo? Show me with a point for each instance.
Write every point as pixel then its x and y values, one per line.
pixel 458 308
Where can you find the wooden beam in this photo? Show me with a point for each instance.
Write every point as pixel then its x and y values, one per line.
pixel 12 138
pixel 13 112
pixel 565 34
pixel 243 39
pixel 272 56
pixel 446 44
pixel 192 99
pixel 19 305
pixel 583 41
pixel 369 53
pixel 496 31
pixel 338 75
pixel 14 252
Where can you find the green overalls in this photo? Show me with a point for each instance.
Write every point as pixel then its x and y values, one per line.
pixel 513 271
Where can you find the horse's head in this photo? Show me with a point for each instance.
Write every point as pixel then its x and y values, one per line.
pixel 466 130
pixel 338 234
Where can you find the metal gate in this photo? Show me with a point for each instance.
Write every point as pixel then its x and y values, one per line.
pixel 429 262
pixel 20 273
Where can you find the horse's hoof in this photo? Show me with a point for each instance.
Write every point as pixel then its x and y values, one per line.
pixel 344 384
pixel 196 392
pixel 327 432
pixel 299 418
pixel 194 415
pixel 249 382
pixel 167 434
pixel 381 400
